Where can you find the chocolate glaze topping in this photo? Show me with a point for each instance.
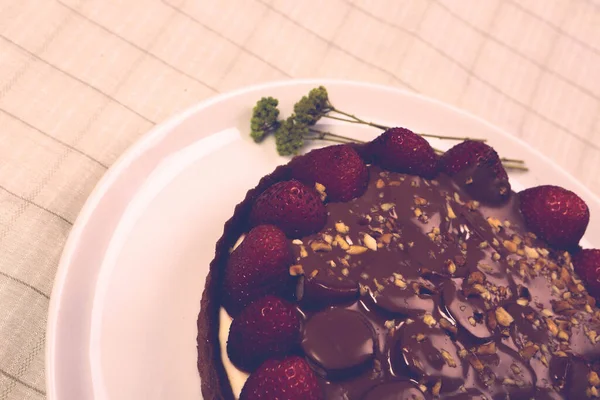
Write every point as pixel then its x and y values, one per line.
pixel 333 352
pixel 416 291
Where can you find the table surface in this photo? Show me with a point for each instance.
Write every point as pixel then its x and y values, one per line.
pixel 81 80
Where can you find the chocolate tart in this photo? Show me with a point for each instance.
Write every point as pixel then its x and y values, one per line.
pixel 426 292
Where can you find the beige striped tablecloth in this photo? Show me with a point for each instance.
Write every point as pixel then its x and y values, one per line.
pixel 81 80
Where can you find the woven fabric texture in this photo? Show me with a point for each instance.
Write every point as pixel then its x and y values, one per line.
pixel 81 80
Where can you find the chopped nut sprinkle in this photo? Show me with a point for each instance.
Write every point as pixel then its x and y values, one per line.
pixel 355 249
pixel 296 270
pixel 523 302
pixel 342 228
pixel 419 201
pixel 451 214
pixel 387 206
pixel 370 242
pixel 303 252
pixel 564 336
pixel 451 267
pixel 487 349
pixel 322 191
pixel 399 282
pixel 435 390
pixel 429 320
pixel 503 317
pixel 593 379
pixel 386 238
pixel 340 241
pixel 448 358
pixel 494 222
pixel 510 246
pixel 320 246
pixel 531 253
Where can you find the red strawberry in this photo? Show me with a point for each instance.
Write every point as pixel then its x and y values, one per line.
pixel 478 168
pixel 339 168
pixel 259 266
pixel 287 379
pixel 295 208
pixel 587 265
pixel 268 327
pixel 401 150
pixel 557 215
pixel 471 153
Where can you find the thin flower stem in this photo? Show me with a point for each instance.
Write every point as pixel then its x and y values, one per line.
pixel 341 119
pixel 512 160
pixel 508 163
pixel 462 139
pixel 327 139
pixel 343 137
pixel 356 120
pixel 361 121
pixel 517 167
pixel 323 134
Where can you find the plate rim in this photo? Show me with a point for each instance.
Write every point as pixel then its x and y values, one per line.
pixel 143 143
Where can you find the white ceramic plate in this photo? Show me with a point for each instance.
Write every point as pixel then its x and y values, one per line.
pixel 122 321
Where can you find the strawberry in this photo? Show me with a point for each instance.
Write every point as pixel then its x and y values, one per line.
pixel 587 265
pixel 339 168
pixel 556 215
pixel 268 327
pixel 478 168
pixel 401 150
pixel 287 379
pixel 469 154
pixel 259 266
pixel 292 206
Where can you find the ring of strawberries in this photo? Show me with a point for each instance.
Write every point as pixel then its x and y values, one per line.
pixel 259 286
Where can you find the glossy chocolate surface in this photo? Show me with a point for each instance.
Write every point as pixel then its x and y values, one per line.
pixel 414 289
pixel 333 351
